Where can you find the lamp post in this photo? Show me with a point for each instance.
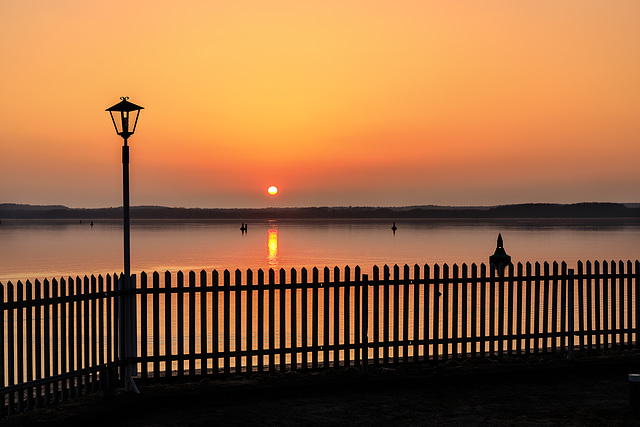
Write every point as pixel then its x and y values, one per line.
pixel 124 116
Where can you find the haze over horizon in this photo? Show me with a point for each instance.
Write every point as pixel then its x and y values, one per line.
pixel 361 103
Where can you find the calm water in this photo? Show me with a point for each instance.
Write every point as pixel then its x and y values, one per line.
pixel 37 249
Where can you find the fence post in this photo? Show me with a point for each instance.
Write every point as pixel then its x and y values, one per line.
pixel 128 335
pixel 365 323
pixel 570 313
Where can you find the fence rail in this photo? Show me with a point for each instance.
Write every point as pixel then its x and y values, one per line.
pixel 64 338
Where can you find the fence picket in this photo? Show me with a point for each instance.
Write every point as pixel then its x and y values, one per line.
pixel 501 313
pixel 510 311
pixel 336 315
pixel 536 309
pixel 385 316
pixel 143 327
pixel 365 323
pixel 346 319
pixel 304 325
pixel 70 336
pixel 168 364
pixel 249 321
pixel 493 307
pixel 94 332
pixel 464 333
pixel 10 348
pixel 215 315
pixel 474 310
pixel 395 359
pixel 226 321
pixel 586 270
pixel 50 333
pixel 597 303
pixel 376 315
pixel 554 310
pixel 629 298
pixel 357 284
pixel 613 307
pixel 405 314
pixel 293 317
pixel 238 316
pixel 110 331
pixel 155 313
pixel 528 310
pixel 436 313
pixel 315 318
pixel 335 288
pixel 29 315
pixel 180 324
pixel 203 323
pixel 605 304
pixel 416 313
pixel 519 297
pixel 20 317
pixel 272 322
pixel 261 291
pixel 539 343
pixel 545 305
pixel 621 299
pixel 79 342
pixel 37 297
pixel 326 318
pixel 3 395
pixel 191 318
pixel 483 309
pixel 637 300
pixel 446 285
pixel 86 334
pixel 570 308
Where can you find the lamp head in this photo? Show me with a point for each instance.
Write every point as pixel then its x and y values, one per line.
pixel 125 117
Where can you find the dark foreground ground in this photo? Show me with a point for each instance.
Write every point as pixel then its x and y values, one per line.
pixel 542 391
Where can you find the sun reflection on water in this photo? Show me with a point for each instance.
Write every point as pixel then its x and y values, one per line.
pixel 272 244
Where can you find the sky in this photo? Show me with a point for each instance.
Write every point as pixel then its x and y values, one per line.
pixel 336 102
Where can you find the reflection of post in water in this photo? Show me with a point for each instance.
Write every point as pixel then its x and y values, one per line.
pixel 272 244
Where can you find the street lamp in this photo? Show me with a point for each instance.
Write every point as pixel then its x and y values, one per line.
pixel 124 116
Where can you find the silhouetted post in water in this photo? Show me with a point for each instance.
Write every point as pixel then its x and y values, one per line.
pixel 499 260
pixel 124 116
pixel 394 228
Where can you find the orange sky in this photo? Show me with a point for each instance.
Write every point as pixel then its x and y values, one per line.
pixel 348 102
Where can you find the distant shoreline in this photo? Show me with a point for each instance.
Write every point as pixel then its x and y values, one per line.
pixel 529 210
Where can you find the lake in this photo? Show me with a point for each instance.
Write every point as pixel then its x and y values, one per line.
pixel 53 249
pixel 33 249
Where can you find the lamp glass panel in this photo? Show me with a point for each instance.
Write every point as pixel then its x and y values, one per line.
pixel 133 119
pixel 116 116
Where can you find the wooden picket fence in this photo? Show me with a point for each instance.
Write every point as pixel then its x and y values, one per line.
pixel 65 338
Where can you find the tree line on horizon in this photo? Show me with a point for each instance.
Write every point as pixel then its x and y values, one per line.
pixel 528 210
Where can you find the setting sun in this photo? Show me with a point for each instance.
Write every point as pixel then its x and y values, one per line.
pixel 273 190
